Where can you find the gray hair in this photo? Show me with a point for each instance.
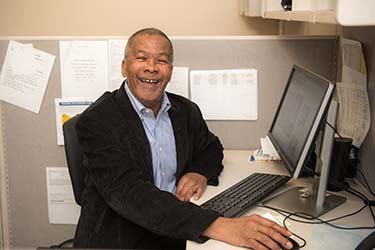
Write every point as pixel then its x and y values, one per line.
pixel 147 31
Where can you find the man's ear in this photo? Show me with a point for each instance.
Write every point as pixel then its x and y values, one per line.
pixel 123 68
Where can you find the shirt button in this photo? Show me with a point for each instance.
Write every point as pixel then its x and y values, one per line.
pixel 162 174
pixel 160 149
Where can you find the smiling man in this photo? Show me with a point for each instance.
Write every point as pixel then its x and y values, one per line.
pixel 147 153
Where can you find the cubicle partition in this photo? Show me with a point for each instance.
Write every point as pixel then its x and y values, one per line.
pixel 30 139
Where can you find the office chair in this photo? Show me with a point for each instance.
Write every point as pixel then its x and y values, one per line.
pixel 77 171
pixel 74 158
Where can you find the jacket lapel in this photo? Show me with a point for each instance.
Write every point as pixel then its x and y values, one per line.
pixel 178 123
pixel 134 124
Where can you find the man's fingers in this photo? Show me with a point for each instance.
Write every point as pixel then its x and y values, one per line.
pixel 271 234
pixel 181 185
pixel 273 225
pixel 270 237
pixel 198 193
pixel 189 185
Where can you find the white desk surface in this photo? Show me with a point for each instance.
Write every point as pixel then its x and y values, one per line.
pixel 237 167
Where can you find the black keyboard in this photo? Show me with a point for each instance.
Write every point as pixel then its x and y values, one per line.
pixel 239 198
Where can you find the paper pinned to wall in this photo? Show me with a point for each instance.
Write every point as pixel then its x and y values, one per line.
pixel 354 116
pixel 24 76
pixel 226 94
pixel 67 108
pixel 22 53
pixel 353 65
pixel 116 50
pixel 179 83
pixel 354 113
pixel 62 208
pixel 84 68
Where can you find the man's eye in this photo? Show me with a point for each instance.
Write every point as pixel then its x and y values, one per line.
pixel 141 58
pixel 163 61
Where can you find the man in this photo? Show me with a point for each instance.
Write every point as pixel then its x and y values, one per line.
pixel 147 153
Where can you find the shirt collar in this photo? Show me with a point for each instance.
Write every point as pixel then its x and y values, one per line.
pixel 140 108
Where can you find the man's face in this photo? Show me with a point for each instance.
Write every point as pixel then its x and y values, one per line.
pixel 148 68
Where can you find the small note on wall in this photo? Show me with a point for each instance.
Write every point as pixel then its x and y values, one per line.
pixel 67 108
pixel 62 208
pixel 225 94
pixel 84 68
pixel 24 76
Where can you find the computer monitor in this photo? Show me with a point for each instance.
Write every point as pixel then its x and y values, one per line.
pixel 299 120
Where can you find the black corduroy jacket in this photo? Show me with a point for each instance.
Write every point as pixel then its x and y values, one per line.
pixel 121 207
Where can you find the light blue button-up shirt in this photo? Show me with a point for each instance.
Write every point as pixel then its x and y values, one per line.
pixel 160 135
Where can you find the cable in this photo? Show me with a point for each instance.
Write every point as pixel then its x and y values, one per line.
pixel 364 177
pixel 318 220
pixel 359 195
pixel 63 245
pixel 310 217
pixel 294 234
pixel 284 223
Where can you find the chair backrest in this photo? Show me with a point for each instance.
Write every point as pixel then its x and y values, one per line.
pixel 74 158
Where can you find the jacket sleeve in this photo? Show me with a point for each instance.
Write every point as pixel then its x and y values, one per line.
pixel 113 164
pixel 207 150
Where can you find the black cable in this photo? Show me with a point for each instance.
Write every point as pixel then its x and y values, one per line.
pixel 364 177
pixel 348 179
pixel 294 234
pixel 358 194
pixel 312 172
pixel 63 244
pixel 321 221
pixel 306 216
pixel 310 217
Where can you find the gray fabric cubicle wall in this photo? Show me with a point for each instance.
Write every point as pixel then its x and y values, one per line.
pixel 30 138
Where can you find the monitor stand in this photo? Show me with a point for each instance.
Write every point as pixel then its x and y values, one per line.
pixel 313 202
pixel 300 200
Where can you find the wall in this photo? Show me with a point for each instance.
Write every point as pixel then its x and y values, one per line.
pixel 366 35
pixel 123 17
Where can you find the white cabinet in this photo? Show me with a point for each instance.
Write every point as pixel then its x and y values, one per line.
pixel 343 12
pixel 356 13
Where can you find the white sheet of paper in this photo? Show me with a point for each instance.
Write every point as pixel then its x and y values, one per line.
pixel 22 52
pixel 179 83
pixel 25 86
pixel 354 115
pixel 67 108
pixel 116 50
pixel 226 94
pixel 62 208
pixel 275 218
pixel 268 148
pixel 84 68
pixel 354 65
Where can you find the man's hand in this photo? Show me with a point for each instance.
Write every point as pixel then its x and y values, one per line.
pixel 191 184
pixel 252 231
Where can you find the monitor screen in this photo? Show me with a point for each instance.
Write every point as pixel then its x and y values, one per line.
pixel 299 116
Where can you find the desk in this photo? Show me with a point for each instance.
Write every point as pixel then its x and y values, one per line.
pixel 236 167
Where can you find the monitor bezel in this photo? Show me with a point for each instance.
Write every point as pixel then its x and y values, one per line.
pixel 295 171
